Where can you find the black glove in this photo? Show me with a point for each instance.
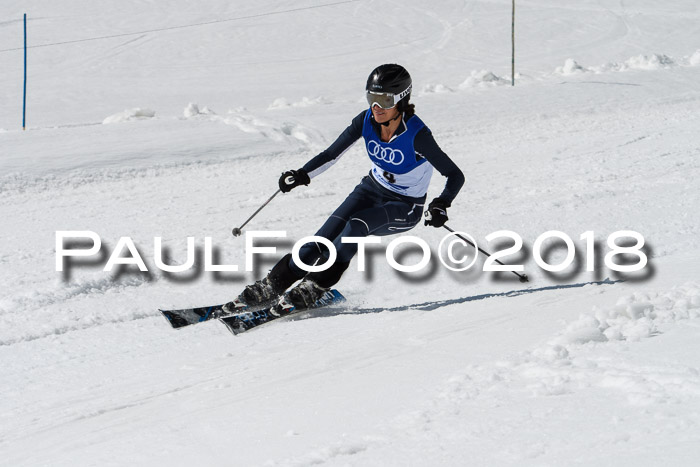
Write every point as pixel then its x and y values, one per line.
pixel 436 215
pixel 293 178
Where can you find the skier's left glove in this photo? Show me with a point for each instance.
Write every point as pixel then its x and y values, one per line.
pixel 292 179
pixel 436 215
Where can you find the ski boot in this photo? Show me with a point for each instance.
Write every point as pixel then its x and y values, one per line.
pixel 259 294
pixel 300 297
pixel 265 291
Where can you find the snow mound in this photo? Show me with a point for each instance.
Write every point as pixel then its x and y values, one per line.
pixel 584 358
pixel 248 123
pixel 276 131
pixel 633 317
pixel 435 89
pixel 342 450
pixel 130 114
pixel 639 62
pixel 282 103
pixel 650 62
pixel 193 110
pixel 694 59
pixel 570 68
pixel 581 355
pixel 483 78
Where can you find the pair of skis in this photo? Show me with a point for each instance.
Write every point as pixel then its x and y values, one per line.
pixel 244 319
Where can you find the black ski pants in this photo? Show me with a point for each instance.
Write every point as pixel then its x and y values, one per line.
pixel 369 210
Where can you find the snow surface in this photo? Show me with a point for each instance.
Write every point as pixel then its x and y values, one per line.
pixel 208 102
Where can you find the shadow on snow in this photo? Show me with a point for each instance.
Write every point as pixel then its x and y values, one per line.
pixel 432 305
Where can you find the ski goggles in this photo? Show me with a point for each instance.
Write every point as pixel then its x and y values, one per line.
pixel 386 100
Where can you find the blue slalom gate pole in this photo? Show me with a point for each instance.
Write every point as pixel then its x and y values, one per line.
pixel 24 100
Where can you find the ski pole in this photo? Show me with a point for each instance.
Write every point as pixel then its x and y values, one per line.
pixel 522 277
pixel 237 230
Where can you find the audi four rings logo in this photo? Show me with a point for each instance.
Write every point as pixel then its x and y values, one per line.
pixel 392 156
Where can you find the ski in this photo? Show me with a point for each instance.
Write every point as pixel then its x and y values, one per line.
pixel 257 314
pixel 188 316
pixel 250 319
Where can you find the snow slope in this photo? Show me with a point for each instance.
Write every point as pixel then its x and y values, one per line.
pixel 150 120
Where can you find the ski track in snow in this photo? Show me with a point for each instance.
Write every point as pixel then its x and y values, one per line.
pixel 53 309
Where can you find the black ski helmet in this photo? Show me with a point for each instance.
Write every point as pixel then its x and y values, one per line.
pixel 390 78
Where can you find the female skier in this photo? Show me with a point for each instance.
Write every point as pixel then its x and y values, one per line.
pixel 388 200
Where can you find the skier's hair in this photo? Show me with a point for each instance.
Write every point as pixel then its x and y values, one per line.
pixel 407 108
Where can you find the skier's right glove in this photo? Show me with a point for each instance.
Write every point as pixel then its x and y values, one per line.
pixel 436 215
pixel 293 178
